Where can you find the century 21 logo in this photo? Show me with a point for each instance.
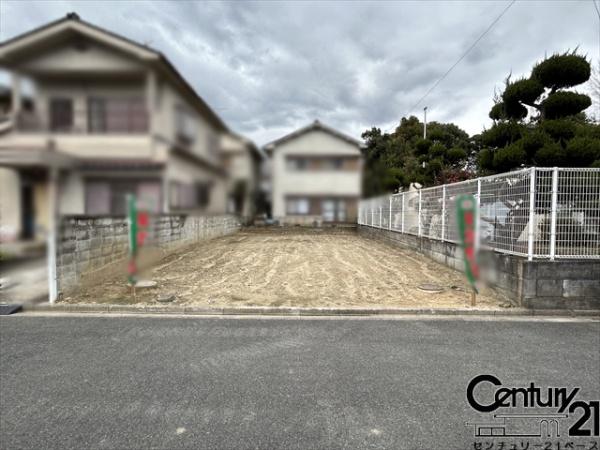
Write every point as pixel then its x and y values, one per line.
pixel 560 398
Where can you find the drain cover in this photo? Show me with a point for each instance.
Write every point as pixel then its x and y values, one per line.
pixel 430 287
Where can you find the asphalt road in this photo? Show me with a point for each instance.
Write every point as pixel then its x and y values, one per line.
pixel 156 382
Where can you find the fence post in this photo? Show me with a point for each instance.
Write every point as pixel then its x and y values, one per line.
pixel 372 217
pixel 553 213
pixel 390 218
pixel 531 214
pixel 419 217
pixel 380 215
pixel 402 212
pixel 443 211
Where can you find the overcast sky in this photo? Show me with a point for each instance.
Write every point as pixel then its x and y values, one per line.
pixel 268 68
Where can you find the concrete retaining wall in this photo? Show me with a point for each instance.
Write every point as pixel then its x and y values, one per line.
pixel 560 284
pixel 91 247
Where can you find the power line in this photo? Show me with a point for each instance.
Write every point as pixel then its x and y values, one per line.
pixel 463 56
pixel 594 85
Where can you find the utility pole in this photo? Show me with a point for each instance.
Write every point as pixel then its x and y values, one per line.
pixel 425 123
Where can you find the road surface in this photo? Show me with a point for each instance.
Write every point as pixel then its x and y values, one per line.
pixel 166 382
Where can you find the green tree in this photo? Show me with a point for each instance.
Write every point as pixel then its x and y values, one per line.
pixel 539 121
pixel 396 159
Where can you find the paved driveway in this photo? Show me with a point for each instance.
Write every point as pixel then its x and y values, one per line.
pixel 297 268
pixel 24 281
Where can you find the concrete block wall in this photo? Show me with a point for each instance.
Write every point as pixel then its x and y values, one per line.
pixel 560 284
pixel 87 244
pixel 91 247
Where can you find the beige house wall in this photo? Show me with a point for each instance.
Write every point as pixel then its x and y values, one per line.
pixel 95 59
pixel 10 200
pixel 169 100
pixel 180 170
pixel 40 208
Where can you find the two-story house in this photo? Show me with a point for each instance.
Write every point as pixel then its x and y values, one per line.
pixel 108 117
pixel 316 176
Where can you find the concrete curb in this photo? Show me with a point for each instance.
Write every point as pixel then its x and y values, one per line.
pixel 293 311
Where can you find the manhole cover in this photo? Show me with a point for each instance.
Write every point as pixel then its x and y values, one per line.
pixel 430 287
pixel 165 298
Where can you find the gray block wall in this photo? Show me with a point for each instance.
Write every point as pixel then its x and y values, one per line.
pixel 559 284
pixel 90 247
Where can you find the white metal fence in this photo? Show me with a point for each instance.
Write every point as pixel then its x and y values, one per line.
pixel 535 212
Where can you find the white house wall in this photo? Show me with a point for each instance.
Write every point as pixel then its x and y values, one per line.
pixel 335 182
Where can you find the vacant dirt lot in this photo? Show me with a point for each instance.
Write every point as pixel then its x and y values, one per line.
pixel 295 268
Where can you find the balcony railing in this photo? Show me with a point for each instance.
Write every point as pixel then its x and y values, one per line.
pixel 117 122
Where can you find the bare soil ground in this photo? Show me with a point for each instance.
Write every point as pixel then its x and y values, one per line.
pixel 297 267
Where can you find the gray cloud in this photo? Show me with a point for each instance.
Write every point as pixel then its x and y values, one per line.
pixel 269 67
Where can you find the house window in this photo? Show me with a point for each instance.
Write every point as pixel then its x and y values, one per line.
pixel 341 211
pixel 97 198
pixel 351 164
pixel 104 197
pixel 213 144
pixel 202 194
pixel 296 163
pixel 332 163
pixel 328 210
pixel 117 115
pixel 315 163
pixel 185 126
pixel 189 195
pixel 61 115
pixel 297 206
